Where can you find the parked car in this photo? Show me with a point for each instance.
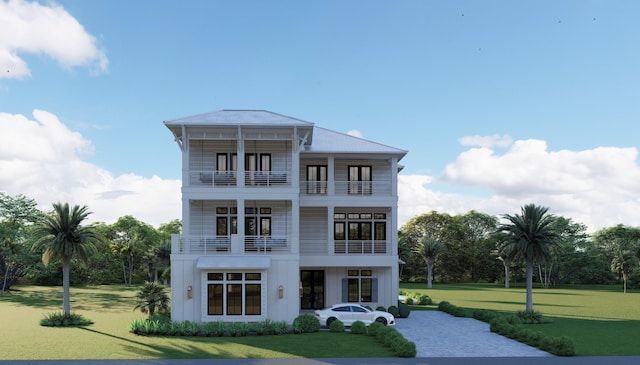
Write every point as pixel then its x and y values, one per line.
pixel 348 313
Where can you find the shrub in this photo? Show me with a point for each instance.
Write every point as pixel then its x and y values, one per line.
pixel 358 328
pixel 374 328
pixel 336 326
pixel 452 309
pixel 279 327
pixel 61 319
pixel 306 323
pixel 151 297
pixel 404 310
pixel 408 300
pixel 532 317
pixel 393 310
pixel 405 348
pixel 425 300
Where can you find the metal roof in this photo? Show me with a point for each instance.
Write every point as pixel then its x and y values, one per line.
pixel 328 141
pixel 226 117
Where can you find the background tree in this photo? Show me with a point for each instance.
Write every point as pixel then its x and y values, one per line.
pixel 61 234
pixel 505 253
pixel 17 214
pixel 428 250
pixel 530 234
pixel 619 243
pixel 130 240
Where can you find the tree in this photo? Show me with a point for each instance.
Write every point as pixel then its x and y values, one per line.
pixel 620 243
pixel 530 234
pixel 61 235
pixel 130 240
pixel 505 253
pixel 16 215
pixel 151 297
pixel 429 249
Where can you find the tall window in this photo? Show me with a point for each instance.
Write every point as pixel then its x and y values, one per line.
pixel 226 221
pixel 226 162
pixel 316 179
pixel 360 180
pixel 234 293
pixel 360 286
pixel 257 221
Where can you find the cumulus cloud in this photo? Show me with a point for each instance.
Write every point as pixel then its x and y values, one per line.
pixel 355 133
pixel 42 159
pixel 33 28
pixel 597 187
pixel 486 141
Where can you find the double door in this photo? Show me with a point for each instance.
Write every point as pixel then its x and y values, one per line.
pixel 312 289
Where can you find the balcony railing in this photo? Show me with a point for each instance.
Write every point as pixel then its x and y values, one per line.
pixel 217 245
pixel 348 188
pixel 205 245
pixel 266 244
pixel 266 178
pixel 213 178
pixel 360 247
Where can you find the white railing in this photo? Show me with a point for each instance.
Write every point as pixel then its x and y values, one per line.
pixel 349 188
pixel 361 247
pixel 266 178
pixel 205 245
pixel 213 178
pixel 266 244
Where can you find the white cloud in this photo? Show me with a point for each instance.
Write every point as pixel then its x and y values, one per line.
pixel 355 133
pixel 486 141
pixel 33 28
pixel 42 159
pixel 597 187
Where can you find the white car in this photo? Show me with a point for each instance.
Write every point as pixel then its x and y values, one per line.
pixel 348 313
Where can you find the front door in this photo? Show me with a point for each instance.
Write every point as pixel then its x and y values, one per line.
pixel 312 289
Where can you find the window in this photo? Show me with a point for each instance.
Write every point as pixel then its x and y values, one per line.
pixel 234 293
pixel 360 180
pixel 226 162
pixel 360 286
pixel 360 232
pixel 316 179
pixel 226 221
pixel 257 222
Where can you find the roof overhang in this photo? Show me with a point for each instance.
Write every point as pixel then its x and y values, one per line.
pixel 233 262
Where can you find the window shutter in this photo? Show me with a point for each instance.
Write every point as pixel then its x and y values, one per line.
pixel 374 289
pixel 345 290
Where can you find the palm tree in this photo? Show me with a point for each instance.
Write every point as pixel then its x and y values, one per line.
pixel 151 297
pixel 505 253
pixel 622 261
pixel 60 235
pixel 530 234
pixel 428 249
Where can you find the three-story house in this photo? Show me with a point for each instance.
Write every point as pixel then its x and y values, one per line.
pixel 280 216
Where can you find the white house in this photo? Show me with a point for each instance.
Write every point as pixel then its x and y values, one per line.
pixel 280 216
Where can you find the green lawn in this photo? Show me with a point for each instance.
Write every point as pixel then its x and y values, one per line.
pixel 600 319
pixel 111 308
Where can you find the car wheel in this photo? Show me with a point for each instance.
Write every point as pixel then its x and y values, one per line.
pixel 382 320
pixel 330 320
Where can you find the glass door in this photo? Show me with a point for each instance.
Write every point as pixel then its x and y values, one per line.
pixel 312 289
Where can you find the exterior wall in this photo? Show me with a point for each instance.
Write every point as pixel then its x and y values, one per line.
pixel 305 220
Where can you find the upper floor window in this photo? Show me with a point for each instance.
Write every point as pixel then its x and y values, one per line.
pixel 257 162
pixel 257 222
pixel 226 221
pixel 360 226
pixel 316 179
pixel 226 162
pixel 360 180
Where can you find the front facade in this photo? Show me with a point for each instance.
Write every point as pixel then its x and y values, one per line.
pixel 280 216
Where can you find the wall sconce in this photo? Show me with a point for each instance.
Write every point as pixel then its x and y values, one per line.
pixel 280 292
pixel 189 292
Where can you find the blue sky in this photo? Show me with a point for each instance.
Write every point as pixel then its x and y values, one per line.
pixel 499 103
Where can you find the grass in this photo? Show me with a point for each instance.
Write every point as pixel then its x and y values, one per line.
pixel 601 320
pixel 111 310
